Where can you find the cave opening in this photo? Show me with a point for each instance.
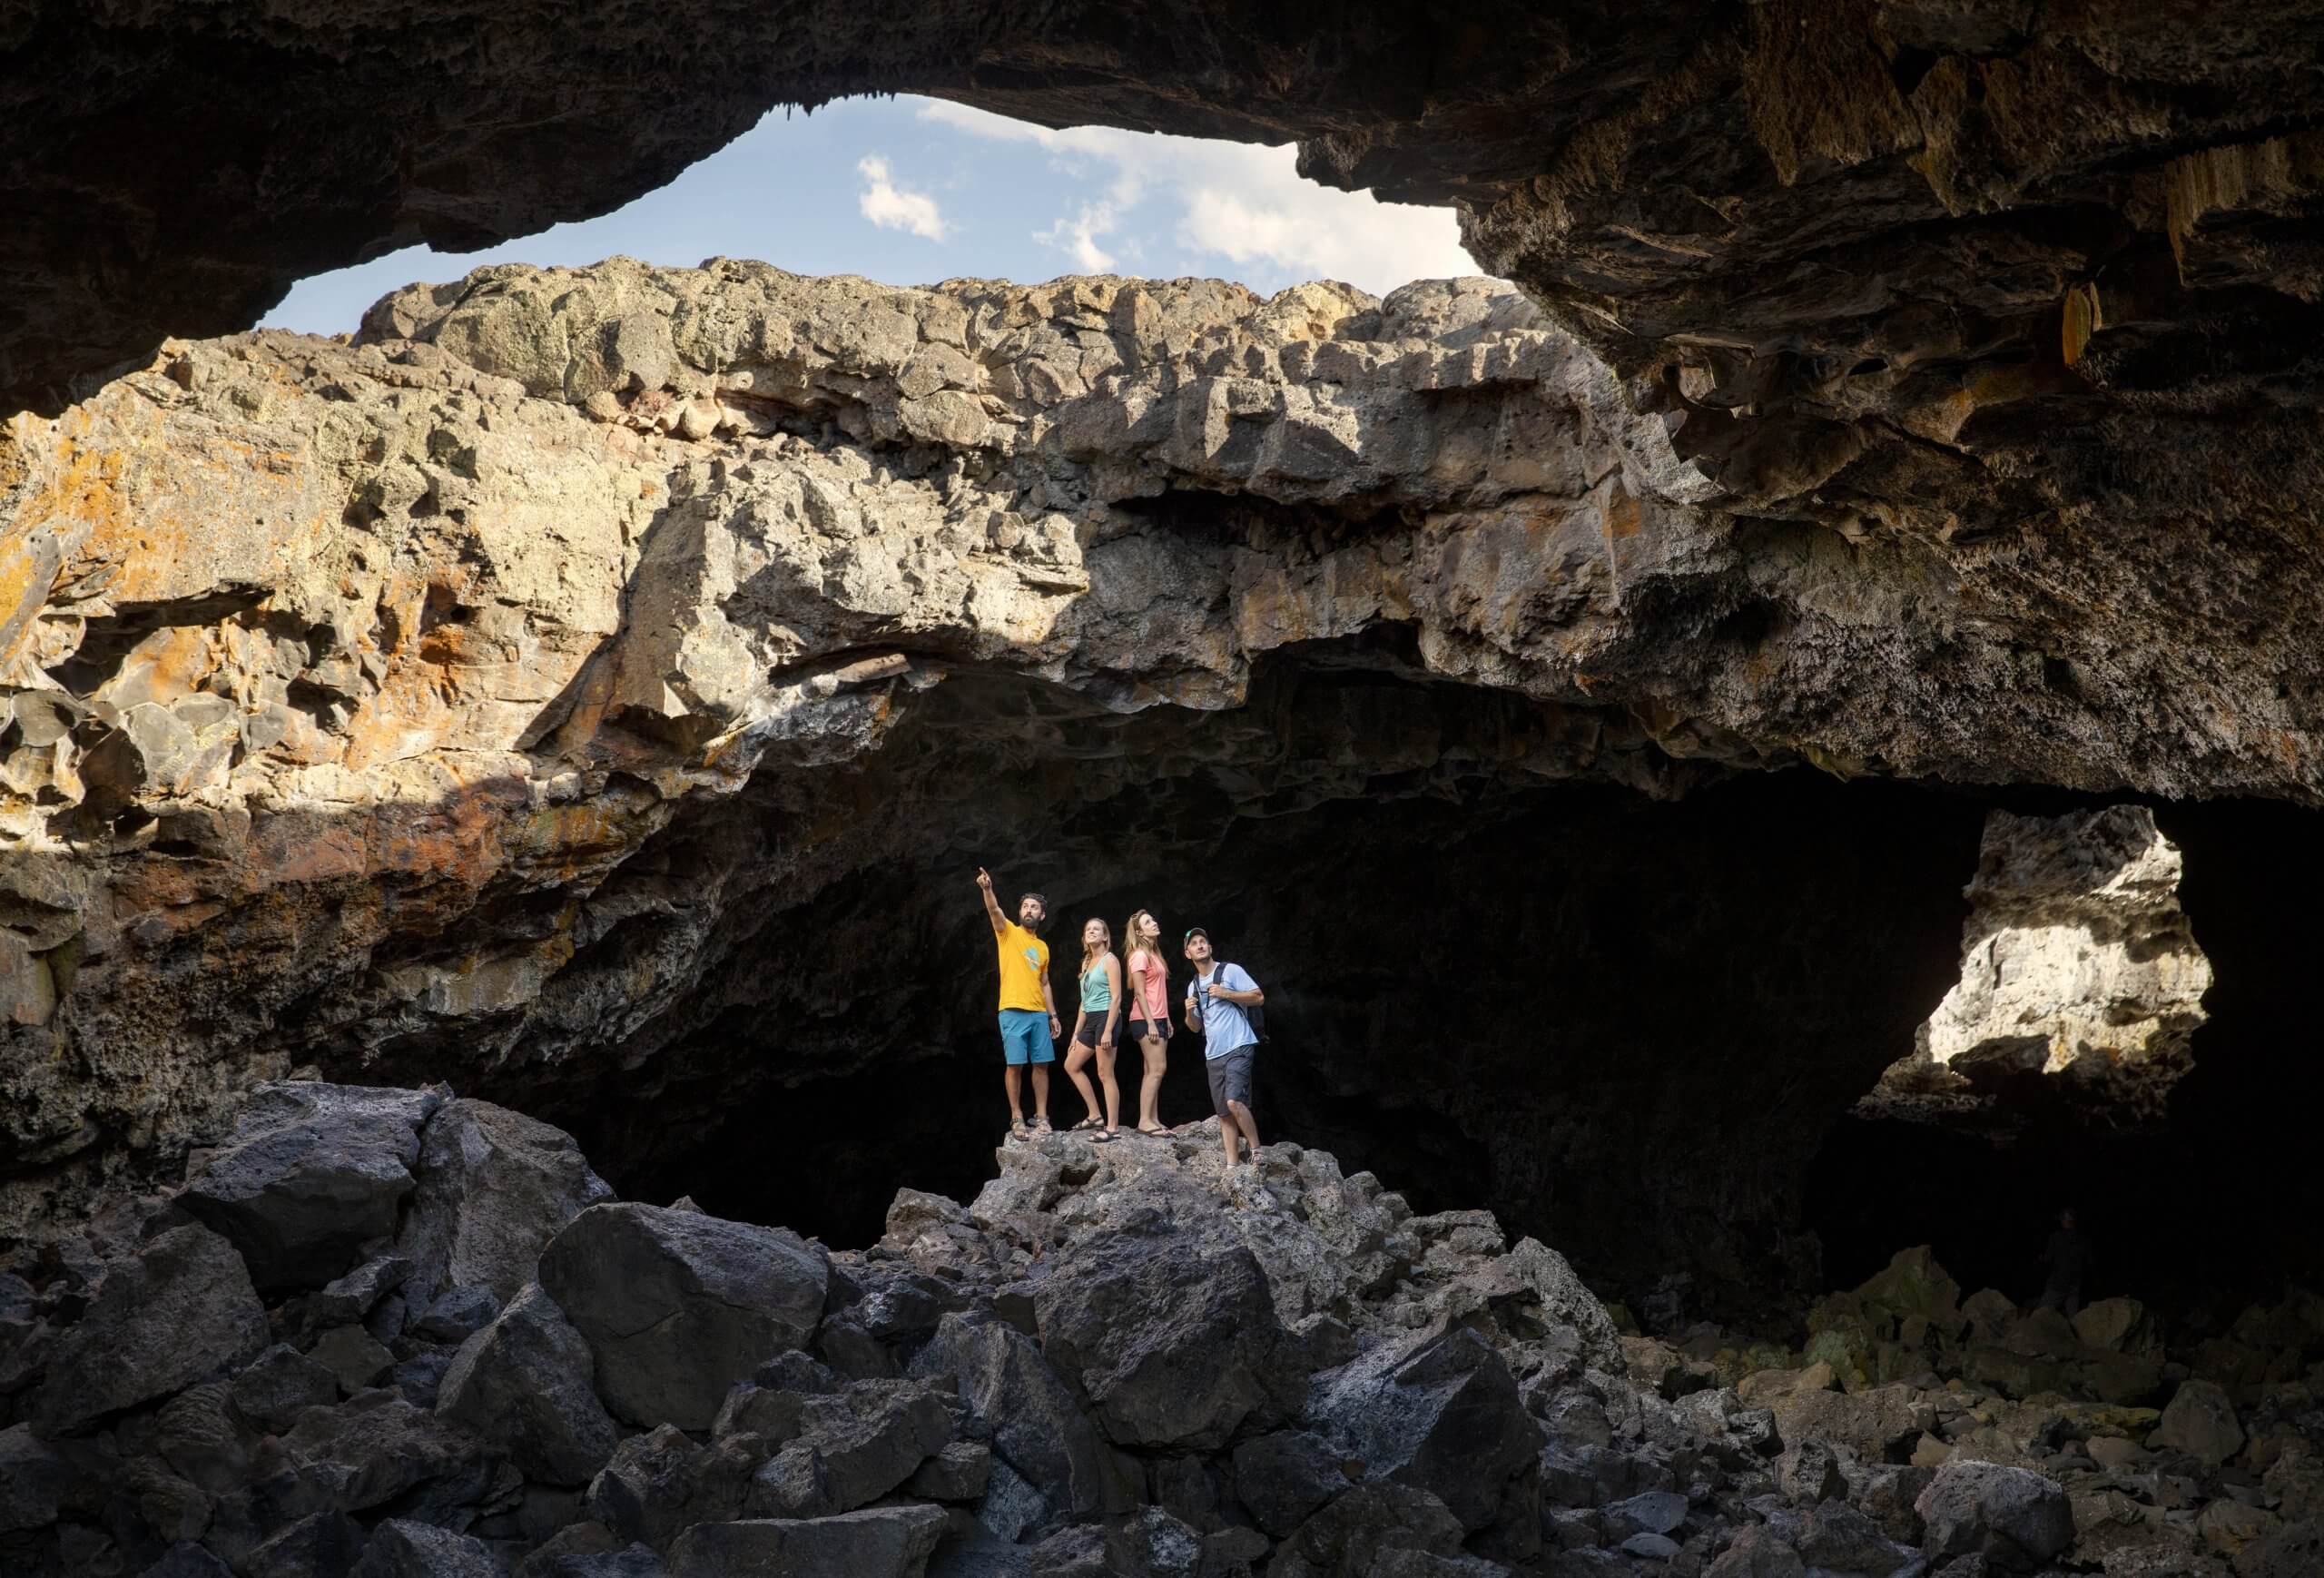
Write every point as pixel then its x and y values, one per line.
pixel 1631 1024
pixel 2208 1212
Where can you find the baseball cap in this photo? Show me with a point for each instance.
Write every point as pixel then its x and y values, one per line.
pixel 1192 932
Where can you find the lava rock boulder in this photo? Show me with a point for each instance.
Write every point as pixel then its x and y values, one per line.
pixel 854 1448
pixel 2014 1518
pixel 178 1310
pixel 524 1384
pixel 1442 1414
pixel 2200 1422
pixel 678 1307
pixel 310 1173
pixel 1038 1427
pixel 495 1187
pixel 1176 1343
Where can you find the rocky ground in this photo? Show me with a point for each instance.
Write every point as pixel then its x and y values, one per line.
pixel 2196 1451
pixel 388 1332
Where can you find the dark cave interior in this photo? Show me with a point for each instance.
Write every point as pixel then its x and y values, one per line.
pixel 1632 1027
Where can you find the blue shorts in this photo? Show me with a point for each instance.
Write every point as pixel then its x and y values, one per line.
pixel 1025 1036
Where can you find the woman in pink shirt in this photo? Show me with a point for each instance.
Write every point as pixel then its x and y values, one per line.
pixel 1149 1012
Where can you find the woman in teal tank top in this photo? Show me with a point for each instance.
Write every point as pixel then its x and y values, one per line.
pixel 1096 1027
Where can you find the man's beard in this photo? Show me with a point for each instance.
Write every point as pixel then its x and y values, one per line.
pixel 1033 923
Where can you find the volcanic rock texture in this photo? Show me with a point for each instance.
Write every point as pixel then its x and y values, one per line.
pixel 600 682
pixel 365 1339
pixel 1930 276
pixel 2078 970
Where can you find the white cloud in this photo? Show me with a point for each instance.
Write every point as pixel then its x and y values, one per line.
pixel 892 207
pixel 1079 236
pixel 1244 204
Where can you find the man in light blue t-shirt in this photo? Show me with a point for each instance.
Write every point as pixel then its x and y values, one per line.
pixel 1217 999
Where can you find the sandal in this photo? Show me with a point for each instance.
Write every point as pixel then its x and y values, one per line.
pixel 1017 1129
pixel 1159 1129
pixel 1041 1124
pixel 1103 1137
pixel 1092 1121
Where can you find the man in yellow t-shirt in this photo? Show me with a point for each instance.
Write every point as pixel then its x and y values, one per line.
pixel 1028 1022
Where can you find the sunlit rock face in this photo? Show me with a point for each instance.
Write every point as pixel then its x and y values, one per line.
pixel 2080 976
pixel 1918 280
pixel 343 679
pixel 504 697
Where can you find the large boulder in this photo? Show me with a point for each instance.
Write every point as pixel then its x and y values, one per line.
pixel 660 1482
pixel 1442 1414
pixel 1038 1427
pixel 1759 1551
pixel 376 1449
pixel 1147 1544
pixel 1838 1538
pixel 310 1174
pixel 495 1187
pixel 187 1560
pixel 677 1307
pixel 279 1385
pixel 401 1548
pixel 2014 1518
pixel 1913 1286
pixel 524 1384
pixel 1175 1342
pixel 2200 1420
pixel 1556 1307
pixel 852 1447
pixel 32 1480
pixel 884 1542
pixel 2118 1326
pixel 1376 1528
pixel 180 1309
pixel 1284 1477
pixel 1871 1423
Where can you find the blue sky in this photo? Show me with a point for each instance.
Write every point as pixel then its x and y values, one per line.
pixel 911 191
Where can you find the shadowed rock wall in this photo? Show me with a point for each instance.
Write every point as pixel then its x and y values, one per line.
pixel 1560 999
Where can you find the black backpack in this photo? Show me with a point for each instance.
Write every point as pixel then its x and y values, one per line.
pixel 1255 1015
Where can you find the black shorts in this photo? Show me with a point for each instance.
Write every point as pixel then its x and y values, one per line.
pixel 1139 1029
pixel 1092 1032
pixel 1230 1078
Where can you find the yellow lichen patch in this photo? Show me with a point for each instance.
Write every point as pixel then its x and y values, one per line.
pixel 1623 515
pixel 2268 176
pixel 2080 319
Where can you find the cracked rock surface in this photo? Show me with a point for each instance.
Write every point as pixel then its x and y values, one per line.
pixel 2079 975
pixel 349 684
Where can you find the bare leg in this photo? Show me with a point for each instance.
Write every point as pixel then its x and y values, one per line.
pixel 1041 1091
pixel 1075 1061
pixel 1113 1090
pixel 1012 1077
pixel 1244 1123
pixel 1227 1137
pixel 1150 1090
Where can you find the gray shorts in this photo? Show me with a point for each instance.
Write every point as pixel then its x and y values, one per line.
pixel 1230 1078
